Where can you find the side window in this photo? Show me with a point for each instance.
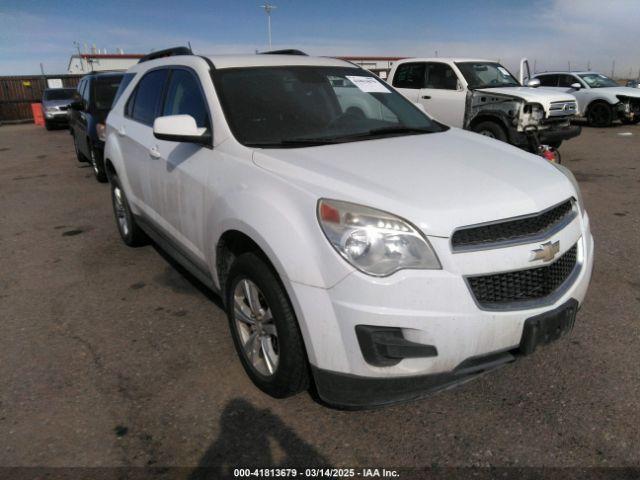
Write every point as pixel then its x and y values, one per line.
pixel 124 83
pixel 567 80
pixel 409 75
pixel 441 76
pixel 548 80
pixel 148 95
pixel 184 97
pixel 85 90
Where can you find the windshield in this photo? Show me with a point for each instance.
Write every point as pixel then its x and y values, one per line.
pixel 486 75
pixel 597 80
pixel 293 106
pixel 104 91
pixel 59 94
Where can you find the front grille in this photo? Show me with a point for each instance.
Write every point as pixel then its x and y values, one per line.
pixel 494 291
pixel 63 107
pixel 512 230
pixel 563 108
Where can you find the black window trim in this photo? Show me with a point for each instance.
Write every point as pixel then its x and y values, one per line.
pixel 163 95
pixel 194 74
pixel 134 94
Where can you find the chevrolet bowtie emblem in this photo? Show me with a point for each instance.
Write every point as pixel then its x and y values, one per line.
pixel 546 252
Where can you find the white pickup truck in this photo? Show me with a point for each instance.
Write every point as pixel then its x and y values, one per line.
pixel 482 96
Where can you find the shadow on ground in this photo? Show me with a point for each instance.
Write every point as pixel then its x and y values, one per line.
pixel 251 437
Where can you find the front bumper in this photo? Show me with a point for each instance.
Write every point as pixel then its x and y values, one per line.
pixel 58 117
pixel 431 308
pixel 553 135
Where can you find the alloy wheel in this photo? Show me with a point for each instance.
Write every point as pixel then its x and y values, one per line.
pixel 256 328
pixel 120 211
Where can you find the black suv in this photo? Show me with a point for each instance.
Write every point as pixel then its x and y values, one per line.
pixel 92 102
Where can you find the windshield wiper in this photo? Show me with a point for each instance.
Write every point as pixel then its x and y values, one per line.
pixel 310 142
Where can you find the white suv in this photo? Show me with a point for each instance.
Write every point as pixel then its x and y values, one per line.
pixel 601 100
pixel 357 244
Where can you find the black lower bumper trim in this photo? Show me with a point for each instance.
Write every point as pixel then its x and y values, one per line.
pixel 353 392
pixel 555 136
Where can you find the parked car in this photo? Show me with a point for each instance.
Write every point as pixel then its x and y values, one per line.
pixel 55 105
pixel 601 100
pixel 92 102
pixel 633 84
pixel 375 252
pixel 484 97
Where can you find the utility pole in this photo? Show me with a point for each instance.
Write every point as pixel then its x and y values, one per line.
pixel 268 8
pixel 613 69
pixel 569 63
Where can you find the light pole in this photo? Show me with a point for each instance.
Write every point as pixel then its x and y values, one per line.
pixel 267 9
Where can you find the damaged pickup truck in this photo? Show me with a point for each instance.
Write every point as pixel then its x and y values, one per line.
pixel 482 96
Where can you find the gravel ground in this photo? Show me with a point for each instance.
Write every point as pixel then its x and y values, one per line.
pixel 113 356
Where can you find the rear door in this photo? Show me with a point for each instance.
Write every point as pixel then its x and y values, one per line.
pixel 442 96
pixel 139 146
pixel 409 78
pixel 182 171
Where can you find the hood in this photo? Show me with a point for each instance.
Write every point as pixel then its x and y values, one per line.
pixel 533 95
pixel 438 181
pixel 625 91
pixel 56 103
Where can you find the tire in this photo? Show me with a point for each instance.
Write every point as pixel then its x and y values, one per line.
pixel 129 230
pixel 277 337
pixel 48 125
pixel 600 115
pixel 79 156
pixel 491 130
pixel 97 163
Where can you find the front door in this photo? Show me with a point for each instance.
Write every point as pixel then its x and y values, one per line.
pixel 442 96
pixel 181 177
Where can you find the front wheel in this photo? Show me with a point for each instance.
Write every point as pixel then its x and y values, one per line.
pixel 491 130
pixel 129 230
pixel 600 115
pixel 632 121
pixel 264 328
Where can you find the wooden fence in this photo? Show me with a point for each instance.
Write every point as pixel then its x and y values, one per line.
pixel 17 93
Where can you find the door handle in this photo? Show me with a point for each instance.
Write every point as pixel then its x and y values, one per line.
pixel 154 153
pixel 121 132
pixel 426 97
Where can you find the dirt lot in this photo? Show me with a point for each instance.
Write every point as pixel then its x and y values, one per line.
pixel 112 356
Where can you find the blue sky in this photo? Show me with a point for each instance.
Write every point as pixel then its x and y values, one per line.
pixel 551 31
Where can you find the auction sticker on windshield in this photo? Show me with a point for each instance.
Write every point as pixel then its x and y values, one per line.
pixel 368 84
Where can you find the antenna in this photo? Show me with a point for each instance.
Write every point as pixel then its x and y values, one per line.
pixel 77 44
pixel 268 8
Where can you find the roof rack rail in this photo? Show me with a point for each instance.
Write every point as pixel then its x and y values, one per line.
pixel 286 51
pixel 168 52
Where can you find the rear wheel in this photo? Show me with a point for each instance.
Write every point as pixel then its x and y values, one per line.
pixel 98 165
pixel 600 115
pixel 264 328
pixel 491 130
pixel 129 230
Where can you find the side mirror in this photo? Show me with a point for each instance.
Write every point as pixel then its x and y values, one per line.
pixel 180 128
pixel 576 86
pixel 533 82
pixel 77 104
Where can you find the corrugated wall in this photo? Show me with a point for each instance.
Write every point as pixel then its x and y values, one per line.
pixel 19 92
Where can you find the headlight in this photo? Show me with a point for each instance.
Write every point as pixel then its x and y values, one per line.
pixel 537 112
pixel 567 173
pixel 101 131
pixel 375 242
